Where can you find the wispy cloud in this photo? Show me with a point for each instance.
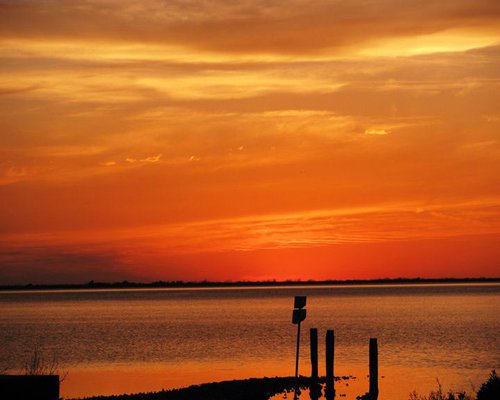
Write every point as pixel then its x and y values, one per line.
pixel 152 159
pixel 377 131
pixel 108 163
pixel 295 28
pixel 175 251
pixel 62 264
pixel 385 223
pixel 149 159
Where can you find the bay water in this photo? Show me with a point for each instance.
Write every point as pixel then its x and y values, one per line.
pixel 123 341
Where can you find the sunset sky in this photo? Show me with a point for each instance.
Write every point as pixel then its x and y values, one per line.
pixel 247 140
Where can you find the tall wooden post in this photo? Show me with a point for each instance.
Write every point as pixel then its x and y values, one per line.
pixel 297 352
pixel 314 352
pixel 330 353
pixel 373 369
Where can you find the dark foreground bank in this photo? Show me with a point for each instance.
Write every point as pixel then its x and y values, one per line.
pixel 248 389
pixel 264 388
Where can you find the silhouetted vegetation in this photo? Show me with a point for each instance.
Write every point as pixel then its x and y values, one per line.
pixel 38 364
pixel 439 394
pixel 271 283
pixel 490 390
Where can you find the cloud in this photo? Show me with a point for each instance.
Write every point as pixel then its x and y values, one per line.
pixel 108 163
pixel 294 28
pixel 149 159
pixel 269 243
pixel 55 264
pixel 385 222
pixel 152 159
pixel 6 91
pixel 376 131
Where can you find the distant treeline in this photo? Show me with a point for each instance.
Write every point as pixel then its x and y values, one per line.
pixel 269 283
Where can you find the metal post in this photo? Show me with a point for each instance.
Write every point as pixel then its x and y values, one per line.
pixel 299 315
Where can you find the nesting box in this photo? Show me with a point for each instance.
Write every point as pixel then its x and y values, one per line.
pixel 300 302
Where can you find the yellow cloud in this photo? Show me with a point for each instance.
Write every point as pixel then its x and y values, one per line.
pixel 375 131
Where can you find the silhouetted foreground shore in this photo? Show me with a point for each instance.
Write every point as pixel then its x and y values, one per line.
pixel 264 388
pixel 212 284
pixel 247 389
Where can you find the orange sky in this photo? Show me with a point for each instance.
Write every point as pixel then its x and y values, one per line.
pixel 256 139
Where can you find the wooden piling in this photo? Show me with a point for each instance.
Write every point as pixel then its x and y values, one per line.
pixel 313 334
pixel 330 352
pixel 373 369
pixel 297 352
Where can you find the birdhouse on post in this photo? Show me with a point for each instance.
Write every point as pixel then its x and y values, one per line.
pixel 299 312
pixel 300 302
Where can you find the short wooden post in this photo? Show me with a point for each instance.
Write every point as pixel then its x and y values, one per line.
pixel 373 369
pixel 330 351
pixel 313 333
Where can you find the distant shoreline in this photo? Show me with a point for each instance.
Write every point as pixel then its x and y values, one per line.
pixel 225 284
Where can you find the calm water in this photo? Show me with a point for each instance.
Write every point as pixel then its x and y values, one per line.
pixel 136 340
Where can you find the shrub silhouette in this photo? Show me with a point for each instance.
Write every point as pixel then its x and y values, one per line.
pixel 439 394
pixel 490 390
pixel 39 365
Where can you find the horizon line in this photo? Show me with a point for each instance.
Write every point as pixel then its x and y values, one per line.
pixel 241 283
